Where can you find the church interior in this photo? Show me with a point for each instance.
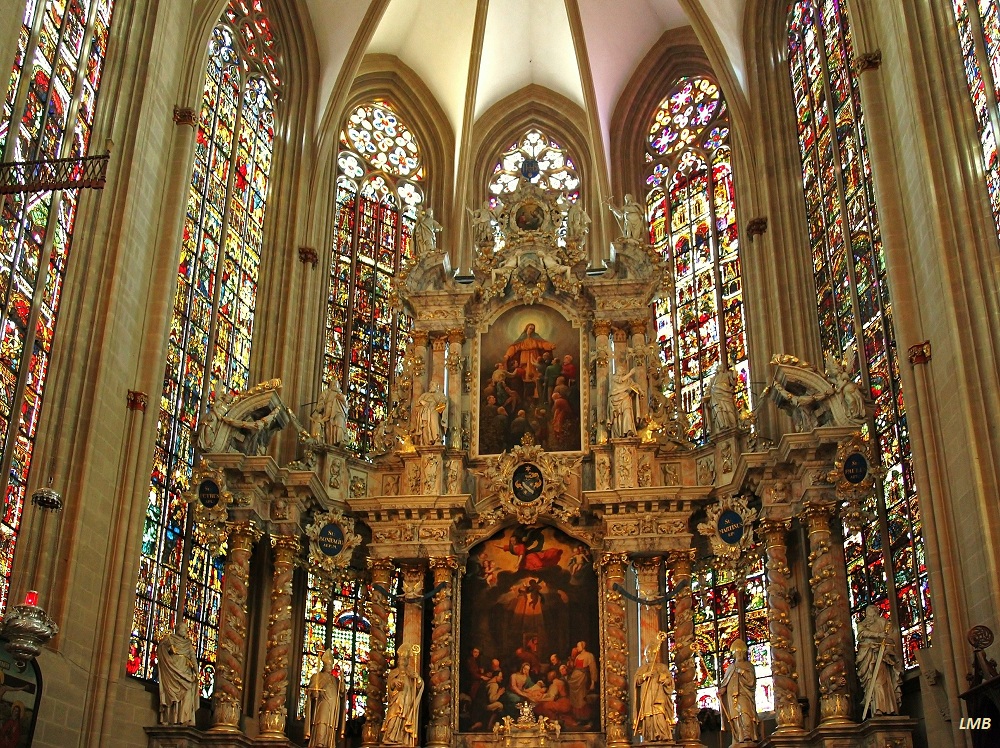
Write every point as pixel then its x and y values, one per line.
pixel 659 415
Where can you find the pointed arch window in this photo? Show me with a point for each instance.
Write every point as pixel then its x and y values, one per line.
pixel 212 326
pixel 691 212
pixel 48 113
pixel 978 24
pixel 380 177
pixel 885 562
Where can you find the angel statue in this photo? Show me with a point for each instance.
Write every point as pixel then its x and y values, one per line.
pixel 482 224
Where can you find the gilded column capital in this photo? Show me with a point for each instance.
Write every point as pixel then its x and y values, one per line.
pixel 769 526
pixel 286 544
pixel 244 533
pixel 638 326
pixel 444 562
pixel 381 565
pixel 612 559
pixel 681 559
pixel 456 335
pixel 601 327
pixel 647 563
pixel 420 338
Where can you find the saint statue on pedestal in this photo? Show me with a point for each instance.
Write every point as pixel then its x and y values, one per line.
pixel 654 703
pixel 324 706
pixel 177 669
pixel 738 697
pixel 404 687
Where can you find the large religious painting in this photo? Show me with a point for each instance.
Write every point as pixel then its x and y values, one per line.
pixel 529 381
pixel 20 692
pixel 529 630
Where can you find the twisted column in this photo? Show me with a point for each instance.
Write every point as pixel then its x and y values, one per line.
pixel 688 729
pixel 831 617
pixel 615 661
pixel 441 663
pixel 381 569
pixel 779 625
pixel 273 710
pixel 229 670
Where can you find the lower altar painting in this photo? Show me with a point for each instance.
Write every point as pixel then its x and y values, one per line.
pixel 530 631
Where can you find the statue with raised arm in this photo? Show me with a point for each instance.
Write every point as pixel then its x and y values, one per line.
pixel 211 424
pixel 432 415
pixel 880 667
pixel 404 687
pixel 654 702
pixel 325 706
pixel 425 232
pixel 630 220
pixel 329 417
pixel 177 669
pixel 738 698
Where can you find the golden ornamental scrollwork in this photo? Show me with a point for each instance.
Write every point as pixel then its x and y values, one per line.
pixel 853 476
pixel 332 541
pixel 211 498
pixel 729 529
pixel 528 481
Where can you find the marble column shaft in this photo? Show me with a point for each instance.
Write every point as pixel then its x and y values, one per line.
pixel 688 729
pixel 273 708
pixel 381 570
pixel 602 349
pixel 455 373
pixel 831 616
pixel 441 660
pixel 614 663
pixel 231 664
pixel 649 573
pixel 438 347
pixel 779 625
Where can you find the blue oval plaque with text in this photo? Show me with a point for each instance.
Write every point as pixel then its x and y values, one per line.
pixel 730 527
pixel 855 468
pixel 331 539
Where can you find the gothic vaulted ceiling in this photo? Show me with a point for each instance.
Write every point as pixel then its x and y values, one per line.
pixel 473 53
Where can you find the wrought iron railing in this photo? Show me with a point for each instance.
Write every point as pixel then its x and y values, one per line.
pixel 54 174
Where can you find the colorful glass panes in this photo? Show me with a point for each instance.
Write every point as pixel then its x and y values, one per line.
pixel 978 26
pixel 691 211
pixel 725 610
pixel 378 193
pixel 48 113
pixel 548 165
pixel 886 565
pixel 341 623
pixel 208 348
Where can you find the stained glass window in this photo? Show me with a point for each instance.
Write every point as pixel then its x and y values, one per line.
pixel 211 328
pixel 691 212
pixel 539 159
pixel 341 623
pixel 725 610
pixel 48 113
pixel 979 35
pixel 379 176
pixel 885 561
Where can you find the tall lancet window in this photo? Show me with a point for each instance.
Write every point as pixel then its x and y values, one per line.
pixel 380 171
pixel 212 326
pixel 48 113
pixel 979 34
pixel 886 565
pixel 691 211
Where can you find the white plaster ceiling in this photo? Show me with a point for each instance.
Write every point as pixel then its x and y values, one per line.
pixel 524 41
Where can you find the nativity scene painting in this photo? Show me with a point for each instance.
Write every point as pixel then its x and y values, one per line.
pixel 529 374
pixel 530 631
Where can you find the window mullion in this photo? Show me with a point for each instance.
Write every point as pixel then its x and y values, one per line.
pixel 24 82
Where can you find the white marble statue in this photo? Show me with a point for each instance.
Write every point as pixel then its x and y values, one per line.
pixel 482 224
pixel 211 424
pixel 432 415
pixel 880 668
pixel 654 703
pixel 577 224
pixel 622 398
pixel 329 418
pixel 722 398
pixel 737 698
pixel 177 669
pixel 841 377
pixel 325 706
pixel 425 232
pixel 404 687
pixel 629 218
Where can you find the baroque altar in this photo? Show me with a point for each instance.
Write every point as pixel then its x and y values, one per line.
pixel 534 487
